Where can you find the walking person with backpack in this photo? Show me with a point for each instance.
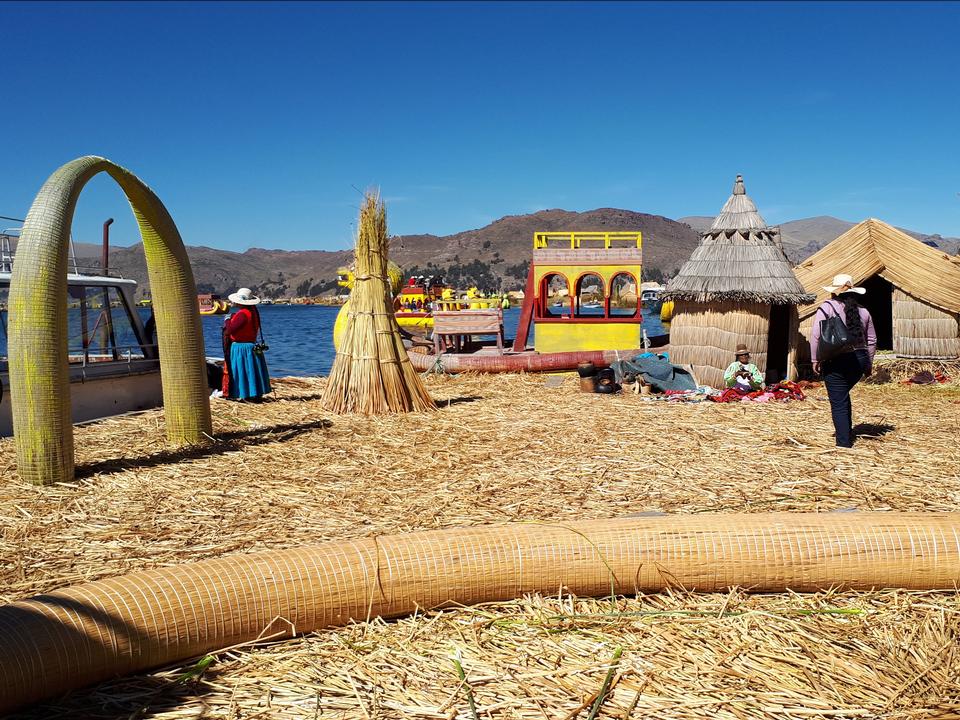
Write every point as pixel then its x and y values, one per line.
pixel 843 343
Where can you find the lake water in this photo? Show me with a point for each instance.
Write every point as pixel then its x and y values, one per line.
pixel 301 336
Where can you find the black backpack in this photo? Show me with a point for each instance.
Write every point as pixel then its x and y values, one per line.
pixel 834 337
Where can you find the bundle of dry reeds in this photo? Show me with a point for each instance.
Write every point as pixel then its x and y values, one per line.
pixel 371 373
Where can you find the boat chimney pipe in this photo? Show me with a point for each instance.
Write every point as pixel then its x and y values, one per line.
pixel 105 258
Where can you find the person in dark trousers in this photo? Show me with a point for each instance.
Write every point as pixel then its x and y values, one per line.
pixel 845 369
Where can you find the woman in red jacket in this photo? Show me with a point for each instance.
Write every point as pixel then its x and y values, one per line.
pixel 249 379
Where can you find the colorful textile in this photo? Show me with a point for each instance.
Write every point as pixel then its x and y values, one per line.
pixel 248 372
pixel 779 392
pixel 925 377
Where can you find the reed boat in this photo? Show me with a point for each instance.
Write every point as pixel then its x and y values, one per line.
pixel 416 301
pixel 212 304
pixel 568 272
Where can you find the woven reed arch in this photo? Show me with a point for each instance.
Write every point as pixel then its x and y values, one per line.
pixel 39 373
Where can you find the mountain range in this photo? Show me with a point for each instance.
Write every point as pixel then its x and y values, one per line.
pixel 493 257
pixel 802 238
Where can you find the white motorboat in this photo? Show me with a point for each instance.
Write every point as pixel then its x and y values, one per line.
pixel 114 365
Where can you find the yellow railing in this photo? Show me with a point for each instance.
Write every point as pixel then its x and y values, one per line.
pixel 575 240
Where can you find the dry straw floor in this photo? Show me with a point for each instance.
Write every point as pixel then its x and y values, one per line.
pixel 510 448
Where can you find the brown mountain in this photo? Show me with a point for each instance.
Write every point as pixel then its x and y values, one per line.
pixel 502 248
pixel 802 238
pixel 493 256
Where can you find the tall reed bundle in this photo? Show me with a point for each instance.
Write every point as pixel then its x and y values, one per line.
pixel 371 373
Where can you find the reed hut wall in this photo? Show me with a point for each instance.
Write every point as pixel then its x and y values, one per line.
pixel 705 336
pixel 923 331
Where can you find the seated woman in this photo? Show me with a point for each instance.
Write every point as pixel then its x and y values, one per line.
pixel 741 374
pixel 247 368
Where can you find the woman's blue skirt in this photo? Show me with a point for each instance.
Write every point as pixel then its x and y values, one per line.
pixel 248 371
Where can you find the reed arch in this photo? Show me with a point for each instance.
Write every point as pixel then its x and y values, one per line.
pixel 39 373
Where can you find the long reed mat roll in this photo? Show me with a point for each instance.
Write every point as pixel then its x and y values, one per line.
pixel 74 637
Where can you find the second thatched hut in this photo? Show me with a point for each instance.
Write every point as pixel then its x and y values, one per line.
pixel 737 287
pixel 913 290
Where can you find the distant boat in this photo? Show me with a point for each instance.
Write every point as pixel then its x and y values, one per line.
pixel 212 304
pixel 593 304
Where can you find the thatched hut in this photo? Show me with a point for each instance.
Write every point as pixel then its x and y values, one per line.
pixel 913 290
pixel 737 287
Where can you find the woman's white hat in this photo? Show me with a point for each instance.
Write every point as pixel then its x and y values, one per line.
pixel 244 296
pixel 841 284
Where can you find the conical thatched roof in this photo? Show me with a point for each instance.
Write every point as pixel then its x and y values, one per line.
pixel 740 259
pixel 739 212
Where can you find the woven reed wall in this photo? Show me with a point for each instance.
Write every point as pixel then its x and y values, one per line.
pixel 923 331
pixel 705 336
pixel 70 638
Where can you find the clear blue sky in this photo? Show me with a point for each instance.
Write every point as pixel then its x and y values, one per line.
pixel 256 122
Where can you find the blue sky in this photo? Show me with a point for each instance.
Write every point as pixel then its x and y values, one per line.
pixel 256 123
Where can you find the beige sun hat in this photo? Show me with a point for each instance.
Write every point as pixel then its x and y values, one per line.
pixel 244 296
pixel 843 283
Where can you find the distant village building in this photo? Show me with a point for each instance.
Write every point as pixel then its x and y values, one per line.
pixel 913 290
pixel 737 287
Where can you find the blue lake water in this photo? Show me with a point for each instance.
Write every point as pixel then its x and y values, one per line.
pixel 301 336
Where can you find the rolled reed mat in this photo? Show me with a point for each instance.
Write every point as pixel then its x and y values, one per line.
pixel 87 633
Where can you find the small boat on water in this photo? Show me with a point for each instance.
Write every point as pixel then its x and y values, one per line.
pixel 211 304
pixel 418 300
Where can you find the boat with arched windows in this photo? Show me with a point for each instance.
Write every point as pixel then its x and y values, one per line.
pixel 582 301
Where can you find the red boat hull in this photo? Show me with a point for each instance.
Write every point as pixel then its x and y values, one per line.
pixel 529 361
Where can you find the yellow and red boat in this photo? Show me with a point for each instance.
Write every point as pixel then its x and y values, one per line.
pixel 582 293
pixel 416 301
pixel 211 304
pixel 583 296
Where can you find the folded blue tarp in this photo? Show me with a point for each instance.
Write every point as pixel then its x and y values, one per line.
pixel 657 372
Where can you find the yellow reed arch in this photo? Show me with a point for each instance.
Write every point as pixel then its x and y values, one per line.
pixel 39 379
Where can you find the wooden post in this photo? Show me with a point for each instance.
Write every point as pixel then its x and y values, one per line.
pixel 526 314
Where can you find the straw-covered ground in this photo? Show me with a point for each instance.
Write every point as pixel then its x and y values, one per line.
pixel 506 448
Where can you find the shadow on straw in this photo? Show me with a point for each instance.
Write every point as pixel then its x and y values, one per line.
pixel 298 398
pixel 458 400
pixel 872 430
pixel 225 442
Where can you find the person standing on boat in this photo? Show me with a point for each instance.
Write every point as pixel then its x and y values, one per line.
pixel 845 369
pixel 249 379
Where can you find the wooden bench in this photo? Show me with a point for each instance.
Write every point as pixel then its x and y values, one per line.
pixel 456 326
